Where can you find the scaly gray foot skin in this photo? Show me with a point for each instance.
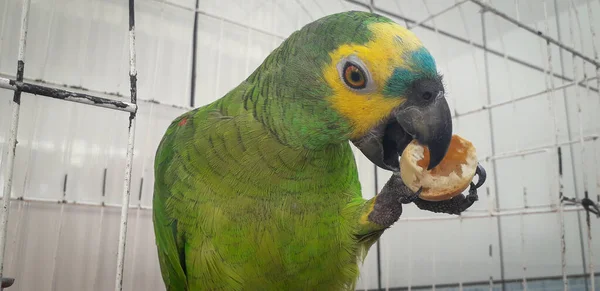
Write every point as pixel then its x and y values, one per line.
pixel 457 204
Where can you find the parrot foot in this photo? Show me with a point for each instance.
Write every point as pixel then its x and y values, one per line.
pixel 410 198
pixel 457 204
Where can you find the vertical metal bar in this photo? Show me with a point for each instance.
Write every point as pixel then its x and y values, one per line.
pixel 560 173
pixel 130 145
pixel 493 146
pixel 583 149
pixel 568 124
pixel 194 45
pixel 589 228
pixel 523 256
pixel 556 174
pixel 12 139
pixel 514 112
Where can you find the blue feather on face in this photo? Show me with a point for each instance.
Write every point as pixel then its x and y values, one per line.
pixel 422 65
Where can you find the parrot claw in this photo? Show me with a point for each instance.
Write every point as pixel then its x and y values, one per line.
pixel 457 204
pixel 410 198
pixel 480 171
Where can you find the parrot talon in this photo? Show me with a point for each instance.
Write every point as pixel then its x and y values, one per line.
pixel 456 205
pixel 410 198
pixel 480 172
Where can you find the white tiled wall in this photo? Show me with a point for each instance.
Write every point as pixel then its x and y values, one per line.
pixel 84 44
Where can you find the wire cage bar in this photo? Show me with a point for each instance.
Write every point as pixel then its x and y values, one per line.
pixel 67 95
pixel 19 86
pixel 129 157
pixel 12 140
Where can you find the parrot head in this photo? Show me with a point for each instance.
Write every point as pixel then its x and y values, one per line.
pixel 360 77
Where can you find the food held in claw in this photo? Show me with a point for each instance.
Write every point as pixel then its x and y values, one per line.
pixel 448 179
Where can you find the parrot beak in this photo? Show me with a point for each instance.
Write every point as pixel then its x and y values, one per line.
pixel 430 125
pixel 427 121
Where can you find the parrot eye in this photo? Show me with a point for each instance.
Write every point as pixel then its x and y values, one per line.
pixel 354 76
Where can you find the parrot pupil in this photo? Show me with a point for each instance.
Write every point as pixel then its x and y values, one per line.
pixel 355 76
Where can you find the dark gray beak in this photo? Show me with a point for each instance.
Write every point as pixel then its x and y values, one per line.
pixel 425 116
pixel 430 125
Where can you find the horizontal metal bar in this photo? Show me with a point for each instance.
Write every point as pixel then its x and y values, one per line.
pixel 77 203
pixel 536 150
pixel 507 102
pixel 466 41
pixel 502 213
pixel 489 8
pixel 67 95
pixel 466 215
pixel 109 95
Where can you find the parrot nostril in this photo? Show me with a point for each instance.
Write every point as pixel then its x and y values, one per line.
pixel 427 96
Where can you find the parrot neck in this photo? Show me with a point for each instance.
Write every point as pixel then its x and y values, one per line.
pixel 252 155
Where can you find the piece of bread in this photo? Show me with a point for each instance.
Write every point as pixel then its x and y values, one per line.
pixel 448 179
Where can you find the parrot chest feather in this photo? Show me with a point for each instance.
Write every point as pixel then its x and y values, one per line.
pixel 253 213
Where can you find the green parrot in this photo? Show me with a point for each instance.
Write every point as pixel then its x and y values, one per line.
pixel 259 190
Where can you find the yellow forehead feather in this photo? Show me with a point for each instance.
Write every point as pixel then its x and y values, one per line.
pixel 381 55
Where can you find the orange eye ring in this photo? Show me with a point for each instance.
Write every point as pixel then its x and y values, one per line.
pixel 354 76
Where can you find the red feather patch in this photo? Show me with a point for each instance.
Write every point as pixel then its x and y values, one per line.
pixel 183 121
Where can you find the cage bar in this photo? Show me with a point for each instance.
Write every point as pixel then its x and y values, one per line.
pixel 5 79
pixel 12 140
pixel 129 157
pixel 492 144
pixel 536 150
pixel 559 180
pixel 66 95
pixel 573 10
pixel 591 266
pixel 494 213
pixel 581 82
